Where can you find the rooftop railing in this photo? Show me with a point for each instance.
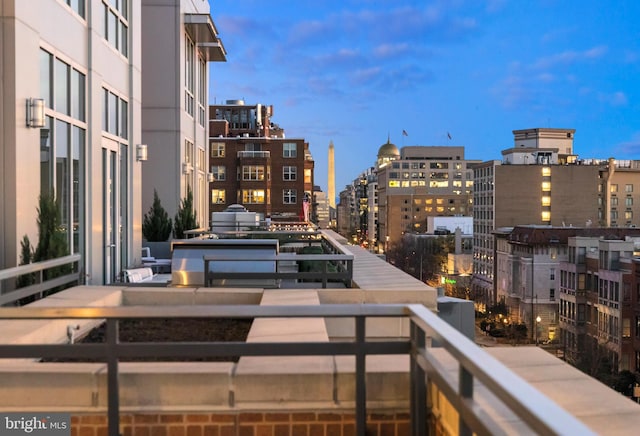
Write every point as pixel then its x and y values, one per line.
pixel 537 411
pixel 38 278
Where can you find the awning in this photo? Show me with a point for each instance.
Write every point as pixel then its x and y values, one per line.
pixel 201 29
pixel 213 51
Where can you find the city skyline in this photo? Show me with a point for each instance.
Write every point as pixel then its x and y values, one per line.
pixel 458 73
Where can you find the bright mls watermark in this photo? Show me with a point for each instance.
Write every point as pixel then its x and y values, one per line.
pixel 40 424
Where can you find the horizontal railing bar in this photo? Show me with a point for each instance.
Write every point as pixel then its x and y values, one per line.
pixel 202 349
pixel 17 271
pixel 46 285
pixel 277 257
pixel 206 311
pixel 218 275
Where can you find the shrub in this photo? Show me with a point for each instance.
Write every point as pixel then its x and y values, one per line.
pixel 156 224
pixel 186 217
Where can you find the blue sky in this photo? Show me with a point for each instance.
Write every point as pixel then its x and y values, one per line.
pixel 355 71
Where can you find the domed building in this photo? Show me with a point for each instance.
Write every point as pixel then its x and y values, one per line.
pixel 388 152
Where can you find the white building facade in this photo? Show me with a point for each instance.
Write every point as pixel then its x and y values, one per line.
pixel 81 62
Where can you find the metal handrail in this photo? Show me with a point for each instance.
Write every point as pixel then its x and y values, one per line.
pixel 343 263
pixel 540 413
pixel 11 295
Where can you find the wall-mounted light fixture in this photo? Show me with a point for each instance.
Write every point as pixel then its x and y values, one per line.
pixel 141 152
pixel 35 113
pixel 187 168
pixel 211 178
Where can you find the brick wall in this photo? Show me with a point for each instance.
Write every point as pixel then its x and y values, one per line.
pixel 243 424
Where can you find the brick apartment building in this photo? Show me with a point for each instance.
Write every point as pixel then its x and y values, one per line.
pixel 253 164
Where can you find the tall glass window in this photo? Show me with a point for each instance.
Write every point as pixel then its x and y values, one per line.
pixel 189 73
pixel 62 87
pixel 115 24
pixel 46 77
pixel 63 139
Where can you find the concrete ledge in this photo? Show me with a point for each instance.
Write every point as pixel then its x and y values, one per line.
pixel 47 386
pixel 47 332
pixel 164 385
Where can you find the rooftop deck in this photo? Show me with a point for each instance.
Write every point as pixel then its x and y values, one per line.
pixel 326 383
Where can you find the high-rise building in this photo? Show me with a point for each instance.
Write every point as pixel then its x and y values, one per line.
pixel 540 181
pixel 417 182
pixel 321 208
pixel 175 102
pixel 253 164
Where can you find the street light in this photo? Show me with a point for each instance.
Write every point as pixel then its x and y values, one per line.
pixel 538 319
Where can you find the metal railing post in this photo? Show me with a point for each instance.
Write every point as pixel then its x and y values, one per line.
pixel 361 377
pixel 113 408
pixel 466 392
pixel 418 394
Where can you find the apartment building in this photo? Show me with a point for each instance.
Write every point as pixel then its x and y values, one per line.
pixel 540 181
pixel 88 114
pixel 599 303
pixel 70 122
pixel 252 163
pixel 179 39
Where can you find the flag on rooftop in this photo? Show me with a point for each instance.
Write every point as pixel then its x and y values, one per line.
pixel 404 133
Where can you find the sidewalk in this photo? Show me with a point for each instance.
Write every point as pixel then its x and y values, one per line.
pixel 485 340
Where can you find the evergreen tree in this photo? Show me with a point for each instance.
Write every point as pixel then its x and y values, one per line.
pixel 52 242
pixel 26 257
pixel 156 225
pixel 186 217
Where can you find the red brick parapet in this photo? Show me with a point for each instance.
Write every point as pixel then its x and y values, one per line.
pixel 298 423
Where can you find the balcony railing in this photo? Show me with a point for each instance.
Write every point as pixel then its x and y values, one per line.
pixel 249 154
pixel 539 413
pixel 326 268
pixel 40 277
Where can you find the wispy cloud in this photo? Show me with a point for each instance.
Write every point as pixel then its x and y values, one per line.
pixel 616 99
pixel 630 147
pixel 389 50
pixel 570 57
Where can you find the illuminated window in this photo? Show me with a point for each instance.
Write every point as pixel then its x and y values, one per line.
pixel 468 184
pixel 253 196
pixel 628 215
pixel 405 184
pixel 428 201
pixel 428 209
pixel 546 171
pixel 439 184
pixel 546 216
pixel 394 183
pixel 457 183
pixel 546 200
pixel 252 172
pixel 614 188
pixel 218 196
pixel 414 183
pixel 546 186
pixel 217 149
pixel 440 209
pixel 439 201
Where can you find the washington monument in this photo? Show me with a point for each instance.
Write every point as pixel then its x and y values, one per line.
pixel 331 188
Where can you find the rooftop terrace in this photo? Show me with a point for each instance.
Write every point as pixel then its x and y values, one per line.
pixel 325 361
